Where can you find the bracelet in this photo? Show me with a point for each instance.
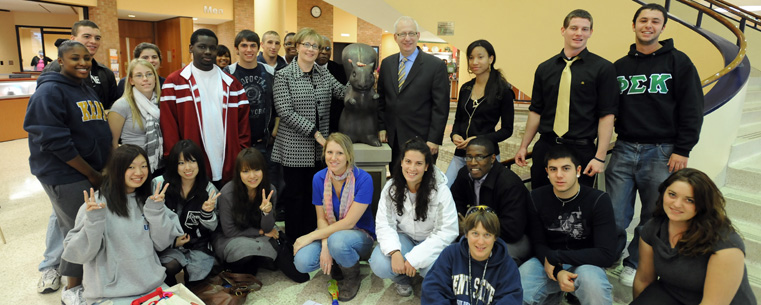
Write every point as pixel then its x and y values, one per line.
pixel 601 161
pixel 392 252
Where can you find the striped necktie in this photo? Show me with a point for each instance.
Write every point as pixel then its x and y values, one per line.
pixel 402 74
pixel 564 100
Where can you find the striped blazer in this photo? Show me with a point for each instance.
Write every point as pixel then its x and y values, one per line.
pixel 302 101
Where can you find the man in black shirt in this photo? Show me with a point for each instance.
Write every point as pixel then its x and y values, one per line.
pixel 102 79
pixel 593 103
pixel 337 70
pixel 484 181
pixel 573 234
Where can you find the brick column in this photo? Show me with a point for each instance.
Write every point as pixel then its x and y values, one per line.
pixel 105 16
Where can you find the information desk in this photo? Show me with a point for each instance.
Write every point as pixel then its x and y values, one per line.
pixel 14 96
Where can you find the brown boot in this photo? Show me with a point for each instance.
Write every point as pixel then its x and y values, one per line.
pixel 349 286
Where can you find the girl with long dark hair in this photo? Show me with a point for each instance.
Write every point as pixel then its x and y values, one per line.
pixel 119 229
pixel 689 252
pixel 483 101
pixel 192 197
pixel 416 218
pixel 248 236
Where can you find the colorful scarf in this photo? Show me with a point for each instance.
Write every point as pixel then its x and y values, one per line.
pixel 347 195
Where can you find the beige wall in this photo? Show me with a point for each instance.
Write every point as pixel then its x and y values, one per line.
pixel 525 33
pixel 344 23
pixel 191 8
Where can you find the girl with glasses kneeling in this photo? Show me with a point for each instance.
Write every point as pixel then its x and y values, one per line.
pixel 480 260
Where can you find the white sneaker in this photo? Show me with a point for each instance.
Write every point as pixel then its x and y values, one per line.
pixel 404 290
pixel 73 296
pixel 627 276
pixel 49 281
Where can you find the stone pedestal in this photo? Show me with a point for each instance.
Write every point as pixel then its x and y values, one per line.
pixel 374 161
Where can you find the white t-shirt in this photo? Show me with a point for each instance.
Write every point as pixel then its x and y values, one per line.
pixel 213 130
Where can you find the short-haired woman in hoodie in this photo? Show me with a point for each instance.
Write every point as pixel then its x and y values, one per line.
pixel 480 264
pixel 416 218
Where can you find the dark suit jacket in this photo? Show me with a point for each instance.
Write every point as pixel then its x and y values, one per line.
pixel 421 107
pixel 336 105
pixel 503 191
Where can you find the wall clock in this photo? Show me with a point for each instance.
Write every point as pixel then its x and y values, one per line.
pixel 316 11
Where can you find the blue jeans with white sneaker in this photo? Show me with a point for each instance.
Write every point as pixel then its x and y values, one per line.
pixel 635 167
pixel 591 285
pixel 381 264
pixel 53 245
pixel 346 247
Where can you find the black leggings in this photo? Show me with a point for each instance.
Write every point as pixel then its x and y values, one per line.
pixel 172 269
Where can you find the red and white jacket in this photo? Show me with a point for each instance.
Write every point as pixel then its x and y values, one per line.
pixel 181 116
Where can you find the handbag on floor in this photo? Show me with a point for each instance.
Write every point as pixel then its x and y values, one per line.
pixel 227 288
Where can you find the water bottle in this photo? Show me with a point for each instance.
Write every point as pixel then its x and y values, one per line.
pixel 333 289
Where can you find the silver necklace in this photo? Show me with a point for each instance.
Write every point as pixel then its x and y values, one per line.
pixel 568 200
pixel 483 280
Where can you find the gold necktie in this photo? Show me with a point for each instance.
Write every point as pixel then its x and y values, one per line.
pixel 402 74
pixel 564 100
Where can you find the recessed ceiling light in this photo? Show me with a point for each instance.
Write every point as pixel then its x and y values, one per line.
pixel 131 16
pixel 195 19
pixel 345 35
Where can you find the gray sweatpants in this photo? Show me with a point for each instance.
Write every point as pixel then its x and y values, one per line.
pixel 66 200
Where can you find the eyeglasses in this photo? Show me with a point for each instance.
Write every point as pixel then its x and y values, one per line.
pixel 403 35
pixel 148 75
pixel 327 49
pixel 477 158
pixel 477 208
pixel 310 46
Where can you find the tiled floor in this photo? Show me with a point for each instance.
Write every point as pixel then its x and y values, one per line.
pixel 24 211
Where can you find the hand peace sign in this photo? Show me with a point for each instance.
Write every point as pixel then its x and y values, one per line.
pixel 209 204
pixel 90 201
pixel 266 205
pixel 158 195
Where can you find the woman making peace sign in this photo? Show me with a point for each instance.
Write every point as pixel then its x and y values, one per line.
pixel 191 196
pixel 119 229
pixel 247 220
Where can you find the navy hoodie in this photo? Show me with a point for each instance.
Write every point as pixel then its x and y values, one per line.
pixel 448 281
pixel 661 99
pixel 64 119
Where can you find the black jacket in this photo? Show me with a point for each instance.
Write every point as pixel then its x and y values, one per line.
pixel 660 98
pixel 503 191
pixel 485 117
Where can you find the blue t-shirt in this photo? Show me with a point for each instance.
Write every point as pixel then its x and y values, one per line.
pixel 363 194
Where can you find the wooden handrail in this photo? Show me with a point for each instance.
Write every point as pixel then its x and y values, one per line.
pixel 734 9
pixel 740 39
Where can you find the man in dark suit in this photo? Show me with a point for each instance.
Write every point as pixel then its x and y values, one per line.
pixel 414 93
pixel 337 70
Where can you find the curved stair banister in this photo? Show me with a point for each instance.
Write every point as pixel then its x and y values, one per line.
pixel 730 79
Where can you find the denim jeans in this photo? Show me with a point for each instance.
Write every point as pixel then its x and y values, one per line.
pixel 455 166
pixel 53 245
pixel 346 247
pixel 381 264
pixel 635 167
pixel 591 285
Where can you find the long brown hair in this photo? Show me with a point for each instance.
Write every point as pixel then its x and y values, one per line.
pixel 710 223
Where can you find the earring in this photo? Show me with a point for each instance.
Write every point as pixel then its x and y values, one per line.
pixel 578 176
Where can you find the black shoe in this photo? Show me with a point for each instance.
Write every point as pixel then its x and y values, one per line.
pixel 335 272
pixel 572 299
